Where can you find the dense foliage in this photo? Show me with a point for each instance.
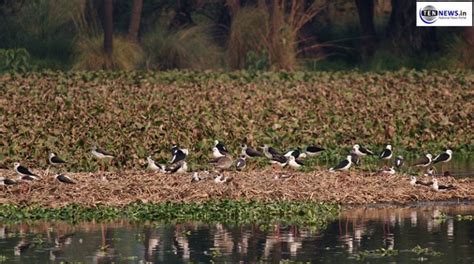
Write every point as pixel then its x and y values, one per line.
pixel 221 34
pixel 134 114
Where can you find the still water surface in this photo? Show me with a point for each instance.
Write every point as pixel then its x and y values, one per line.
pixel 449 240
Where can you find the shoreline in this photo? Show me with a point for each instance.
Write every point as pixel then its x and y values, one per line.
pixel 344 188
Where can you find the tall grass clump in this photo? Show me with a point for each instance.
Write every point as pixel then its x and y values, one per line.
pixel 455 53
pixel 126 54
pixel 276 35
pixel 189 47
pixel 246 39
pixel 44 28
pixel 90 54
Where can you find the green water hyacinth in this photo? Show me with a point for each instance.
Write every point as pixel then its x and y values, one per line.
pixel 222 211
pixel 135 114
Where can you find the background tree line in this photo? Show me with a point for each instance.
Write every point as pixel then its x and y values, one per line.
pixel 228 34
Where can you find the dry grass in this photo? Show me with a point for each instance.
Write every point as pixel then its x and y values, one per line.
pixel 320 186
pixel 186 48
pixel 245 36
pixel 277 34
pixel 126 54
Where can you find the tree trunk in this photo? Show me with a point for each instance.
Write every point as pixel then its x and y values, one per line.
pixel 135 17
pixel 365 9
pixel 108 26
pixel 402 28
pixel 182 16
pixel 468 35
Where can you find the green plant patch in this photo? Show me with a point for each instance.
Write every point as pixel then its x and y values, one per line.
pixel 222 211
pixel 425 251
pixel 376 253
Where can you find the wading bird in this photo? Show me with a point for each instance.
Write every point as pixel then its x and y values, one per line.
pixel 438 187
pixel 343 165
pixel 294 163
pixel 222 179
pixel 219 149
pixel 25 173
pixel 280 160
pixel 270 152
pixel 250 152
pixel 240 164
pixel 386 154
pixel 64 179
pixel 444 157
pixel 313 150
pixel 414 182
pixel 153 166
pixel 55 160
pixel 195 177
pixel 297 153
pixel 390 170
pixel 361 151
pixel 177 167
pixel 355 159
pixel 399 162
pixel 178 154
pixel 101 154
pixel 430 172
pixel 6 181
pixel 424 161
pixel 222 163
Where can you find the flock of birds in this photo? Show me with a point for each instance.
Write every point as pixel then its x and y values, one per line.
pixel 222 160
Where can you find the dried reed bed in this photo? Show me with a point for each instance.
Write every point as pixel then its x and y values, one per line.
pixel 119 189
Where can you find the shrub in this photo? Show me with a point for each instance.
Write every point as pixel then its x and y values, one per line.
pixel 126 55
pixel 17 60
pixel 184 48
pixel 247 41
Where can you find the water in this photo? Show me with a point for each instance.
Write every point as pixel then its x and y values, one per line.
pixel 460 167
pixel 342 241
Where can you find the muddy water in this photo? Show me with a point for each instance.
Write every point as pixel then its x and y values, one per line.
pixel 432 233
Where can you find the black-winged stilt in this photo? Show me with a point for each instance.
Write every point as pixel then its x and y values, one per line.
pixel 64 179
pixel 437 187
pixel 444 157
pixel 343 165
pixel 250 152
pixel 153 166
pixel 424 161
pixel 294 163
pixel 241 163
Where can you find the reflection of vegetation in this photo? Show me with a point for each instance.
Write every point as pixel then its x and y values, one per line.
pixel 444 216
pixel 287 261
pixel 381 252
pixel 425 251
pixel 222 211
pixel 3 258
pixel 465 217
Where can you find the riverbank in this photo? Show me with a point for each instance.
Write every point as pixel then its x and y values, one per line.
pixel 121 189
